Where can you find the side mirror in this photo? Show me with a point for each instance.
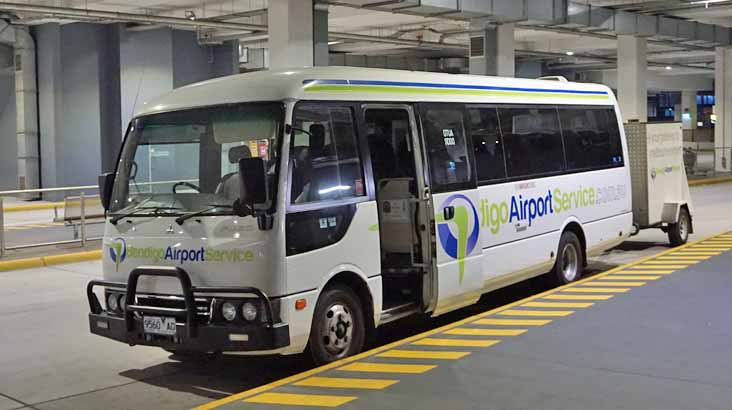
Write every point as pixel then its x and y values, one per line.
pixel 253 190
pixel 106 182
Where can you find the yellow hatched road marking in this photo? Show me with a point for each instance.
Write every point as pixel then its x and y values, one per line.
pixel 549 313
pixel 562 296
pixel 596 290
pixel 433 341
pixel 631 277
pixel 681 259
pixel 683 264
pixel 558 304
pixel 682 256
pixel 387 368
pixel 474 331
pixel 723 241
pixel 696 253
pixel 710 247
pixel 423 354
pixel 300 399
pixel 346 383
pixel 512 322
pixel 643 271
pixel 677 266
pixel 615 283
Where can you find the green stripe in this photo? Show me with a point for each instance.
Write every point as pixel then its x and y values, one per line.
pixel 445 91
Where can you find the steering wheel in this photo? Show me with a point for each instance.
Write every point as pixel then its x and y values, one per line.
pixel 186 184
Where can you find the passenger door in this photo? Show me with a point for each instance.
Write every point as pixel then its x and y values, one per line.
pixel 458 278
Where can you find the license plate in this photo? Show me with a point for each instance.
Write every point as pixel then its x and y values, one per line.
pixel 159 325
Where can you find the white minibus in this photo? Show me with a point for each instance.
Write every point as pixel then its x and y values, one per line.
pixel 280 211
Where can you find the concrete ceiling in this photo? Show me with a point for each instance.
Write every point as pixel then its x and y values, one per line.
pixel 593 50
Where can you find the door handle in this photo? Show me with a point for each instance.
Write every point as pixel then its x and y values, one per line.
pixel 448 213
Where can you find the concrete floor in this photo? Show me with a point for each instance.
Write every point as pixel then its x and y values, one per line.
pixel 49 360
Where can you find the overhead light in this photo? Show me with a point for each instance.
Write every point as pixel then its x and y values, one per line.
pixel 190 15
pixel 706 3
pixel 569 53
pixel 668 67
pixel 330 43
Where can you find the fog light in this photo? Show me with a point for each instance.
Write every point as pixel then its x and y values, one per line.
pixel 249 311
pixel 122 302
pixel 228 311
pixel 112 302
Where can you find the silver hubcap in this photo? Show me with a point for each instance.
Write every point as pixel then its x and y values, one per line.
pixel 683 229
pixel 570 262
pixel 337 330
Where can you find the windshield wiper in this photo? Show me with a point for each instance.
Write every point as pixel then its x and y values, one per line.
pixel 155 210
pixel 179 220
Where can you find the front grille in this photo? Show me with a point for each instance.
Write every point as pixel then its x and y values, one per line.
pixel 203 305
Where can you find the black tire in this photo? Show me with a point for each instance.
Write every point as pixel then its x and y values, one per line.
pixel 339 327
pixel 570 262
pixel 678 233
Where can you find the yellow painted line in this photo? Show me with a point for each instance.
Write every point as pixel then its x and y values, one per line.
pixel 552 294
pixel 387 368
pixel 548 313
pixel 300 399
pixel 513 322
pixel 709 181
pixel 563 296
pixel 558 304
pixel 596 290
pixel 630 277
pixel 474 331
pixel 430 341
pixel 644 271
pixel 696 253
pixel 423 354
pixel 346 383
pixel 686 256
pixel 608 283
pixel 34 207
pixel 679 265
pixel 27 263
pixel 675 267
pixel 710 248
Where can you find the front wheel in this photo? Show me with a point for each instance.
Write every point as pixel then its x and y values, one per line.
pixel 678 233
pixel 570 262
pixel 338 328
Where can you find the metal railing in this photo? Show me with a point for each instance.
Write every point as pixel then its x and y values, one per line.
pixel 83 219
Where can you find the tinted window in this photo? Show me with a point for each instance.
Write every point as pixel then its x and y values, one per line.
pixel 487 144
pixel 532 141
pixel 591 137
pixel 324 155
pixel 447 148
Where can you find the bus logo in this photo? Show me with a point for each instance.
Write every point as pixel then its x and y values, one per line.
pixel 118 251
pixel 462 245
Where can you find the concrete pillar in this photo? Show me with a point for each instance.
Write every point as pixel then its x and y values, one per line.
pixel 492 50
pixel 688 109
pixel 723 108
pixel 8 142
pixel 632 69
pixel 298 35
pixel 110 95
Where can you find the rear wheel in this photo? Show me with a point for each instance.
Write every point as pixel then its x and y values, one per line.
pixel 338 328
pixel 570 262
pixel 678 233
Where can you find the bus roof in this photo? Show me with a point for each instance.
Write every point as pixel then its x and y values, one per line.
pixel 374 84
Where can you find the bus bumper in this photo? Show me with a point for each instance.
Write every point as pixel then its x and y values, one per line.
pixel 191 333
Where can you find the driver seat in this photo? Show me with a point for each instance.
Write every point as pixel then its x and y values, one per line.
pixel 229 185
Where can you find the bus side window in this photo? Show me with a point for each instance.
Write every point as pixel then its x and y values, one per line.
pixel 591 137
pixel 449 157
pixel 533 142
pixel 487 144
pixel 325 160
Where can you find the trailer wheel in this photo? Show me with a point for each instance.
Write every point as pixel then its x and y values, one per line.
pixel 569 264
pixel 678 233
pixel 339 327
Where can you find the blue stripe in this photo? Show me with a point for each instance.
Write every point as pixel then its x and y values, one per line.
pixel 450 86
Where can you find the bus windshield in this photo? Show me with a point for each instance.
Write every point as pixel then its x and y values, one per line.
pixel 187 161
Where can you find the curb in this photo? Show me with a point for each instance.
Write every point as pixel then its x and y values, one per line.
pixel 710 181
pixel 33 207
pixel 41 261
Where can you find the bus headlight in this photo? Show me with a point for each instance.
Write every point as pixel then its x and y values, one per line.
pixel 113 302
pixel 249 311
pixel 228 311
